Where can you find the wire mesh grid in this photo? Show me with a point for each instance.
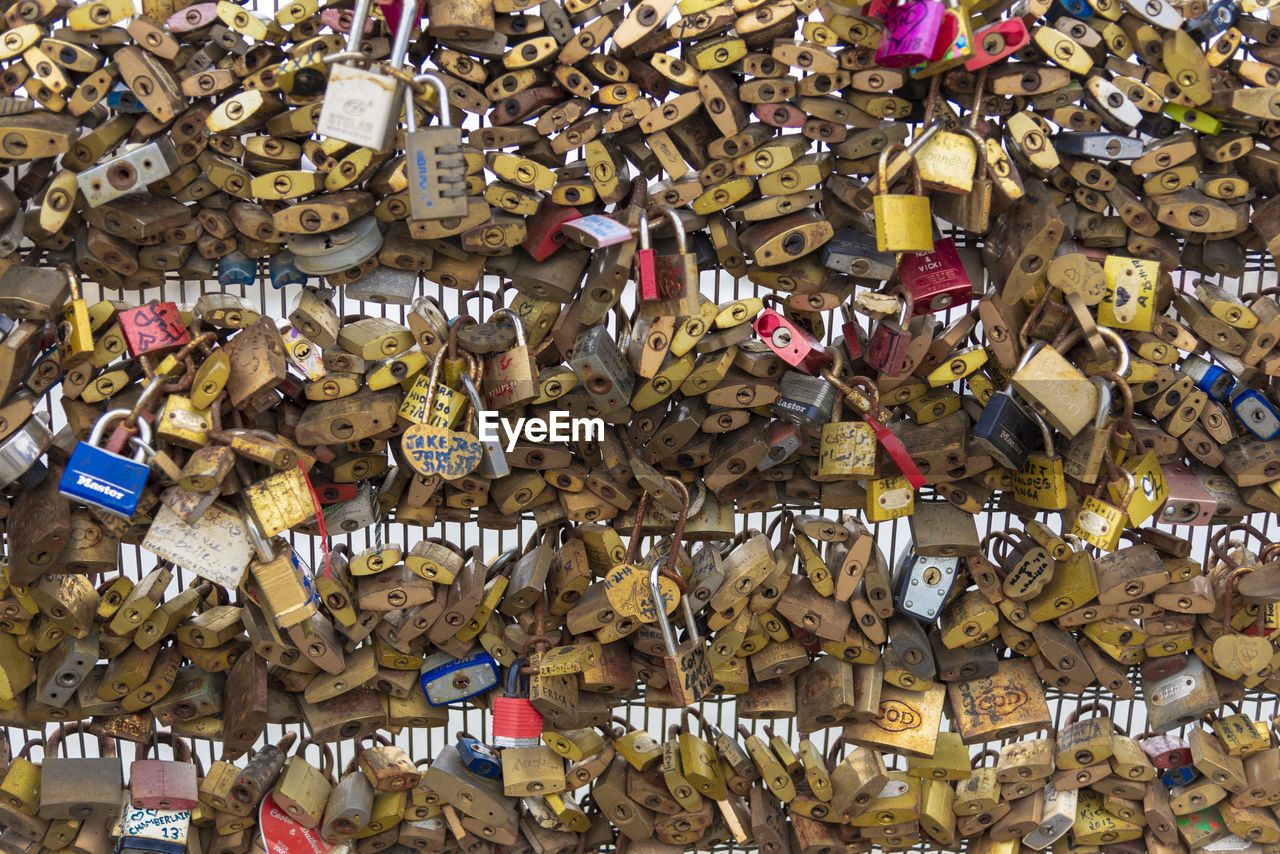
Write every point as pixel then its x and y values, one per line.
pixel 719 286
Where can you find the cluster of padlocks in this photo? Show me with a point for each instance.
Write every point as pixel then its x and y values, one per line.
pixel 1077 353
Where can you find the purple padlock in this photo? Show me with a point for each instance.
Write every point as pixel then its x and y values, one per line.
pixel 911 31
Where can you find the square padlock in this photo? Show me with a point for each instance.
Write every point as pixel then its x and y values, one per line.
pixel 152 328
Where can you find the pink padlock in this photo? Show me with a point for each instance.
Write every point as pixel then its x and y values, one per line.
pixel 910 34
pixel 160 784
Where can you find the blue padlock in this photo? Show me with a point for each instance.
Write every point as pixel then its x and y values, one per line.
pixel 283 272
pixel 1220 17
pixel 446 679
pixel 1178 776
pixel 122 100
pixel 237 269
pixel 1214 380
pixel 1078 9
pixel 108 481
pixel 479 758
pixel 1256 413
pixel 152 846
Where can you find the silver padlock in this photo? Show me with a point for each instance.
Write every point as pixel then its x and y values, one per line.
pixel 362 106
pixel 130 172
pixel 384 285
pixel 433 162
pixel 20 453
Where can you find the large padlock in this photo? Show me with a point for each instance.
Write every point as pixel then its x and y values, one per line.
pixel 80 788
pixel 516 723
pixel 100 478
pixel 362 105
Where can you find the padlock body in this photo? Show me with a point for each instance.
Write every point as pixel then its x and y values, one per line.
pixel 360 107
pixel 910 33
pixel 436 173
pixel 903 223
pixel 99 478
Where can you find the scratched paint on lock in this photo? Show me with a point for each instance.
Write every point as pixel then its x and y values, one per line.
pixel 1130 296
pixel 849 448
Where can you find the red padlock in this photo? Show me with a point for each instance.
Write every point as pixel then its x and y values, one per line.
pixel 996 41
pixel 646 265
pixel 152 328
pixel 791 342
pixel 165 784
pixel 544 229
pixel 935 279
pixel 1165 751
pixel 516 723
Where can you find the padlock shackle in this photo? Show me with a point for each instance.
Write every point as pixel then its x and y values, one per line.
pixel 1216 541
pixel 355 38
pixel 516 321
pixel 513 676
pixel 1046 435
pixel 1118 344
pixel 106 746
pixel 442 100
pixel 73 279
pixel 992 752
pixel 682 243
pixel 261 545
pixel 404 31
pixel 664 625
pixel 100 427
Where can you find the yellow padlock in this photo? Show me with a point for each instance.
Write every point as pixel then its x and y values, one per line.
pixel 904 222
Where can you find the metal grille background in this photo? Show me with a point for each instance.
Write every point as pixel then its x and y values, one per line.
pixel 719 287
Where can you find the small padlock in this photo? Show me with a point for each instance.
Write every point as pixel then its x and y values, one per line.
pixel 478 758
pixel 904 223
pixel 434 165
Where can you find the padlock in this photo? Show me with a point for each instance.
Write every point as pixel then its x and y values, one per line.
pixel 903 222
pixel 363 106
pixel 887 344
pixel 302 790
pixel 100 478
pixel 165 785
pixel 478 758
pixel 516 723
pixel 911 32
pixel 434 165
pixel 685 662
pixel 79 788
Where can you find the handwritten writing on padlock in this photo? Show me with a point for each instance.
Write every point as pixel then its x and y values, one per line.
pixel 627 588
pixel 282 835
pixel 448 453
pixel 910 32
